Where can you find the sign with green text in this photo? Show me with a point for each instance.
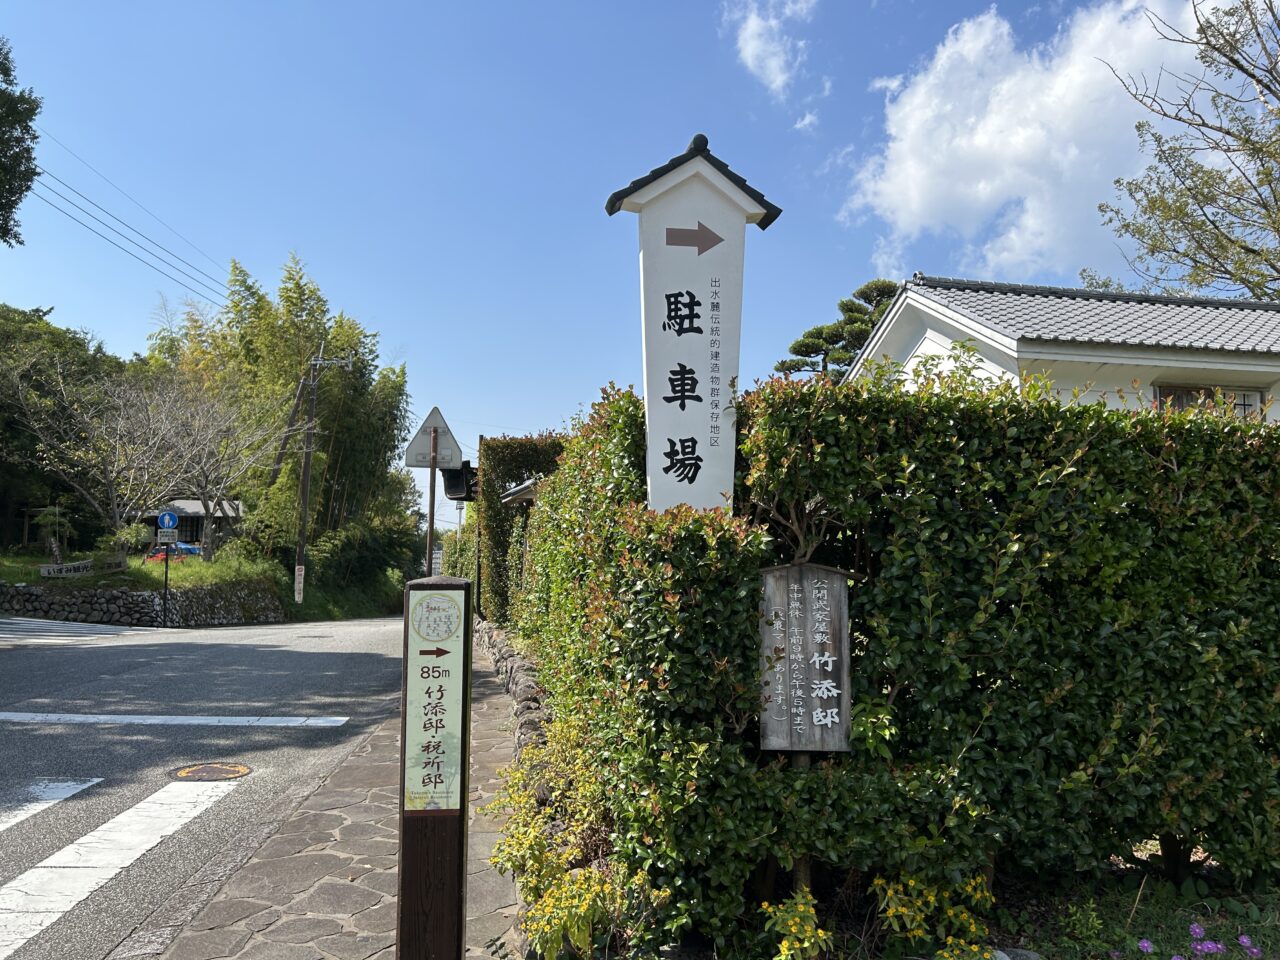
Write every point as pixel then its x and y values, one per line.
pixel 435 738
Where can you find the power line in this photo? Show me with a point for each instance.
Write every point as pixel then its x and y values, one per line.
pixel 120 189
pixel 117 246
pixel 171 266
pixel 155 243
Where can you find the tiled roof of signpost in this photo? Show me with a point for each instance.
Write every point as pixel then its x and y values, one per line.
pixel 1098 316
pixel 697 148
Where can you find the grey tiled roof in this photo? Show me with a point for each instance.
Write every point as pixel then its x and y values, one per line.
pixel 697 148
pixel 1094 316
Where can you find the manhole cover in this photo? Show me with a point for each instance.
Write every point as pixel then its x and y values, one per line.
pixel 211 771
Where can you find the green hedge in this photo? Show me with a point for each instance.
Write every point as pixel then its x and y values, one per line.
pixel 504 462
pixel 1066 638
pixel 459 548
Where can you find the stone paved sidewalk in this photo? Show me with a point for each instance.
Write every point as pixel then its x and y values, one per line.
pixel 324 886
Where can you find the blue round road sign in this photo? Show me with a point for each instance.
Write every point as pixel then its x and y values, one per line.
pixel 167 520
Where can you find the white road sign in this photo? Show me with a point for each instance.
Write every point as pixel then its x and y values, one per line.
pixel 166 536
pixel 693 216
pixel 448 452
pixel 435 701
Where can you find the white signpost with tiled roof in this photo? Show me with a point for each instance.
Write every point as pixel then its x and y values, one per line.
pixel 694 213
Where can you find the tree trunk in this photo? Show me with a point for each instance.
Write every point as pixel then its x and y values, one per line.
pixel 1175 856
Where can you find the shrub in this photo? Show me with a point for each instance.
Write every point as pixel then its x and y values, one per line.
pixel 1066 630
pixel 505 462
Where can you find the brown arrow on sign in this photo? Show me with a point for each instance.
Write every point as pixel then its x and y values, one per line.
pixel 437 652
pixel 704 238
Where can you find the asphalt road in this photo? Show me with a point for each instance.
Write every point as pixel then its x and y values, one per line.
pixel 297 670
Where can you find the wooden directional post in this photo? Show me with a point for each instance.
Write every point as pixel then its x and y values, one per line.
pixel 435 733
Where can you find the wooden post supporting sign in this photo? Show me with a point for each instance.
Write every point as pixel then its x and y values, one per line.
pixel 435 729
pixel 804 663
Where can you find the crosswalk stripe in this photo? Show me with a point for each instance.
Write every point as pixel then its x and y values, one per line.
pixel 30 630
pixel 152 720
pixel 33 901
pixel 42 793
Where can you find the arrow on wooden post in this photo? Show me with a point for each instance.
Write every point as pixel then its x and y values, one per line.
pixel 702 237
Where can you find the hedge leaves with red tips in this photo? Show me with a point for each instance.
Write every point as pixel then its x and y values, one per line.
pixel 1067 636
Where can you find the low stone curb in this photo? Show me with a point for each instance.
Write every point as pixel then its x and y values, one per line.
pixel 521 679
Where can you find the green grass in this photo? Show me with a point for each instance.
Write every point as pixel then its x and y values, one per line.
pixel 189 572
pixel 1090 920
pixel 384 597
pixel 380 597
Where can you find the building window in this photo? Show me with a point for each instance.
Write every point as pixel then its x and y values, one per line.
pixel 1244 403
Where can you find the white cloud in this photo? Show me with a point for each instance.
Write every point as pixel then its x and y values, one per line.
pixel 1010 149
pixel 765 47
pixel 887 84
pixel 807 122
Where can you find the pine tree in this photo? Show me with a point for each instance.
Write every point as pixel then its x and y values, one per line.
pixel 830 348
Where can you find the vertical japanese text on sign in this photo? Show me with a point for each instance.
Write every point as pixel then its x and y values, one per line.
pixel 435 703
pixel 804 647
pixel 693 216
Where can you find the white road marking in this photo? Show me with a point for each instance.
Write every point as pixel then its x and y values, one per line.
pixel 171 721
pixel 30 630
pixel 41 793
pixel 37 898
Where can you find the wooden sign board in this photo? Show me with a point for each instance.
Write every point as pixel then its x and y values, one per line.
pixel 804 659
pixel 434 750
pixel 77 569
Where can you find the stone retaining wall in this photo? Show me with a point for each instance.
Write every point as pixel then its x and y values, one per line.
pixel 521 680
pixel 216 605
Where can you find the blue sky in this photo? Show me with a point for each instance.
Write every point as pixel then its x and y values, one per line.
pixel 442 168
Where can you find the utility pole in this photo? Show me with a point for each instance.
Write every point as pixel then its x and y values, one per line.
pixel 315 365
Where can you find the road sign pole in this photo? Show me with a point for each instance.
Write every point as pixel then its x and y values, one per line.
pixel 435 734
pixel 164 616
pixel 431 504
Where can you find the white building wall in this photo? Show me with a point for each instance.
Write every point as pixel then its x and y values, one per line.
pixel 1121 377
pixel 915 335
pixel 1130 385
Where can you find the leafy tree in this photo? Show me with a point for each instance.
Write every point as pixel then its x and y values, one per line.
pixel 105 438
pixel 24 484
pixel 830 348
pixel 256 351
pixel 1205 214
pixel 217 440
pixel 18 111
